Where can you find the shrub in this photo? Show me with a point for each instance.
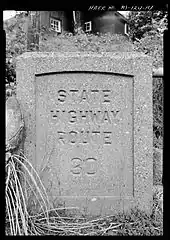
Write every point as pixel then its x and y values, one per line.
pixel 158 112
pixel 85 42
pixel 151 45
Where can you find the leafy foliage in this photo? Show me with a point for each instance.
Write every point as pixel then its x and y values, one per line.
pixel 15 37
pixel 152 46
pixel 10 74
pixel 15 44
pixel 146 32
pixel 85 43
pixel 144 22
pixel 158 111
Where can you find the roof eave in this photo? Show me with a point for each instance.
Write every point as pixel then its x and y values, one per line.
pixel 122 17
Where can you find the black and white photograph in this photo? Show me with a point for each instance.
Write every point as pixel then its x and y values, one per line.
pixel 84 113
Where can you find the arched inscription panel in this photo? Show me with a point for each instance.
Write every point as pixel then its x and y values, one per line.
pixel 87 120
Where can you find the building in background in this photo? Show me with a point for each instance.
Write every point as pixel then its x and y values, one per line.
pixel 89 21
pixel 60 22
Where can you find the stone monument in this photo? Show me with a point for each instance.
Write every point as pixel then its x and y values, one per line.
pixel 88 120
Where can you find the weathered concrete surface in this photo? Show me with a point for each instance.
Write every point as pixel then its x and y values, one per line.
pixel 89 128
pixel 14 124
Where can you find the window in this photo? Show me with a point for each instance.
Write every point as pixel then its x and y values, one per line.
pixel 55 25
pixel 126 29
pixel 88 26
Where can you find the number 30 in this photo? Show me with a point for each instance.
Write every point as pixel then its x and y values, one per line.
pixel 88 165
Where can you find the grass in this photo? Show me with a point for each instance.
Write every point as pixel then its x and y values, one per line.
pixel 21 220
pixel 18 218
